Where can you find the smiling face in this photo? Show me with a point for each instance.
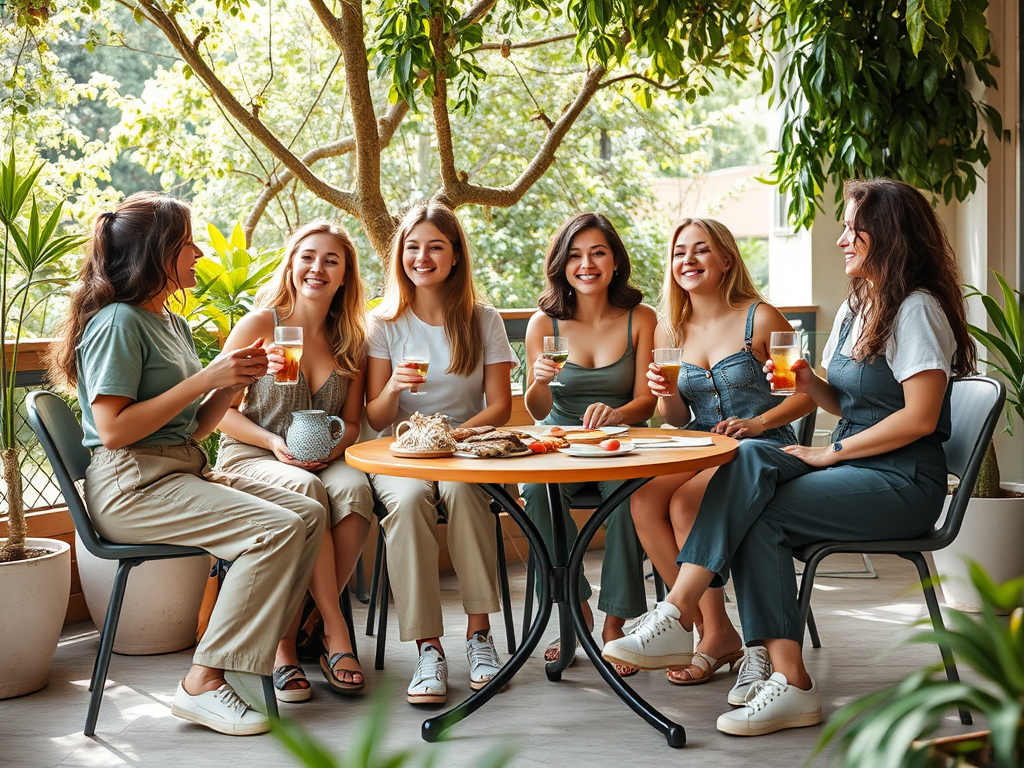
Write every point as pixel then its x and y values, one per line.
pixel 855 243
pixel 590 265
pixel 318 266
pixel 427 255
pixel 185 264
pixel 696 265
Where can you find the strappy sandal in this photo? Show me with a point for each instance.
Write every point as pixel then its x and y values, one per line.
pixel 553 651
pixel 291 673
pixel 625 670
pixel 707 665
pixel 328 665
pixel 309 645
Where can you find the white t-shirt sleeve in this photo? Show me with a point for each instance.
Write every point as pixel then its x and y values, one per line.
pixel 922 339
pixel 377 338
pixel 496 346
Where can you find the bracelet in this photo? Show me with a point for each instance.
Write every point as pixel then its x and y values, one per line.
pixel 761 417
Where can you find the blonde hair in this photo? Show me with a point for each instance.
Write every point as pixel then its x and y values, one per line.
pixel 737 286
pixel 461 327
pixel 346 318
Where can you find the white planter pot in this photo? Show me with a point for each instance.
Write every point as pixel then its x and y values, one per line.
pixel 161 603
pixel 993 535
pixel 33 602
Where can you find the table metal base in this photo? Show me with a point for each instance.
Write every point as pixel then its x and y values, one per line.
pixel 558 585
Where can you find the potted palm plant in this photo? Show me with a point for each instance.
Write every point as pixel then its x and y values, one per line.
pixel 886 728
pixel 994 525
pixel 35 574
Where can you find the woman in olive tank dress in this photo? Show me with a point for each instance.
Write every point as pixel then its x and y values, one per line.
pixel 590 301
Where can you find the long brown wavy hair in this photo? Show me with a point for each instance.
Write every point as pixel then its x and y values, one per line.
pixel 907 251
pixel 558 299
pixel 461 327
pixel 346 318
pixel 131 258
pixel 737 286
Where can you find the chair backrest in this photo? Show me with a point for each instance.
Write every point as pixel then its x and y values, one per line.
pixel 804 428
pixel 60 434
pixel 976 407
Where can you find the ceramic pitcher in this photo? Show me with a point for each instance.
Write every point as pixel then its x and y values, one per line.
pixel 311 435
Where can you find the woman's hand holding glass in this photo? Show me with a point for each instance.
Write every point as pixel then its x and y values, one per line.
pixel 237 369
pixel 657 382
pixel 544 370
pixel 801 369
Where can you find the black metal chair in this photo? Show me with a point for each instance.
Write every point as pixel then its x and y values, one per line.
pixel 60 435
pixel 977 405
pixel 380 586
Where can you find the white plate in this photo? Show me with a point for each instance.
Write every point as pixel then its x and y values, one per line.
pixel 674 442
pixel 468 455
pixel 596 451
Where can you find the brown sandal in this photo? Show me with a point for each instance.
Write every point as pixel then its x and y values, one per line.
pixel 329 666
pixel 707 666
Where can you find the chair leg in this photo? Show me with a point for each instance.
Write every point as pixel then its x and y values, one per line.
pixel 375 584
pixel 385 595
pixel 804 600
pixel 928 585
pixel 345 603
pixel 361 595
pixel 270 695
pixel 102 665
pixel 506 595
pixel 528 607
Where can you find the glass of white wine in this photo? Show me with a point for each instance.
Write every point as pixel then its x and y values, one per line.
pixel 556 349
pixel 416 356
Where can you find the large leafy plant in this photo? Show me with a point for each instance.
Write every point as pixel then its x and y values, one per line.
pixel 882 729
pixel 32 250
pixel 1005 345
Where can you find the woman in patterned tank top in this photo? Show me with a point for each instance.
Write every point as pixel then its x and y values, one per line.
pixel 316 287
pixel 713 311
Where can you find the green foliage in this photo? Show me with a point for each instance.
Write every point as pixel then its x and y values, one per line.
pixel 878 729
pixel 364 751
pixel 875 88
pixel 1006 344
pixel 225 289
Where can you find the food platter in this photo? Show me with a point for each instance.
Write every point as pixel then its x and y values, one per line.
pixel 421 454
pixel 596 452
pixel 468 455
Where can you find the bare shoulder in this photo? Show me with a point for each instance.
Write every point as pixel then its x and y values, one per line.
pixel 646 315
pixel 768 318
pixel 540 324
pixel 258 324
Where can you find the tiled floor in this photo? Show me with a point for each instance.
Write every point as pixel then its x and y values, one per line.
pixel 577 722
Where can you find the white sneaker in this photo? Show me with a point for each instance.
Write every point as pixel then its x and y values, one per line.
pixel 430 681
pixel 223 710
pixel 483 660
pixel 755 668
pixel 657 642
pixel 773 705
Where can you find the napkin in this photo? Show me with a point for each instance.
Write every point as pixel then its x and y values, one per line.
pixel 678 442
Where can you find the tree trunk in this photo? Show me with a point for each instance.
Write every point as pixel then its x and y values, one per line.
pixel 14 548
pixel 988 486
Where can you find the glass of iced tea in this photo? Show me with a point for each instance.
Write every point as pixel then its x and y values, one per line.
pixel 289 339
pixel 416 356
pixel 785 350
pixel 669 360
pixel 556 349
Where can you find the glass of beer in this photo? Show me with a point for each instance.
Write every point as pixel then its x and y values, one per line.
pixel 289 339
pixel 669 360
pixel 416 356
pixel 785 350
pixel 556 349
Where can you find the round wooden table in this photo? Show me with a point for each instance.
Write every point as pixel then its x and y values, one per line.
pixel 562 567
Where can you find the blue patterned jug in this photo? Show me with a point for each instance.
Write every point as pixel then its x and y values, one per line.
pixel 311 435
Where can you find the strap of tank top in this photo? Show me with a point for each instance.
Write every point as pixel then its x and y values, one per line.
pixel 748 337
pixel 629 333
pixel 554 324
pixel 277 320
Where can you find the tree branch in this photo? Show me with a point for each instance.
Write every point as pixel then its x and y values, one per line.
pixel 442 121
pixel 636 76
pixel 527 44
pixel 168 24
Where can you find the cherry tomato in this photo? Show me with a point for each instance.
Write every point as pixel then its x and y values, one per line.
pixel 611 445
pixel 538 447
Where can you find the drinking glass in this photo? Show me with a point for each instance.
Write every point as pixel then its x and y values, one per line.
pixel 669 360
pixel 556 349
pixel 785 349
pixel 416 356
pixel 289 339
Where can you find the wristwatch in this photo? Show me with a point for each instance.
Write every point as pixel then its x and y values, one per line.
pixel 837 447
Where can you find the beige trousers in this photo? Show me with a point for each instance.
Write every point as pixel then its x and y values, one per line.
pixel 341 489
pixel 410 529
pixel 168 495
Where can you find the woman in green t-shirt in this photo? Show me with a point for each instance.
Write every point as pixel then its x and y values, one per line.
pixel 146 400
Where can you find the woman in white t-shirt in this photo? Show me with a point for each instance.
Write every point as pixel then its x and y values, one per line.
pixel 430 300
pixel 897 340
